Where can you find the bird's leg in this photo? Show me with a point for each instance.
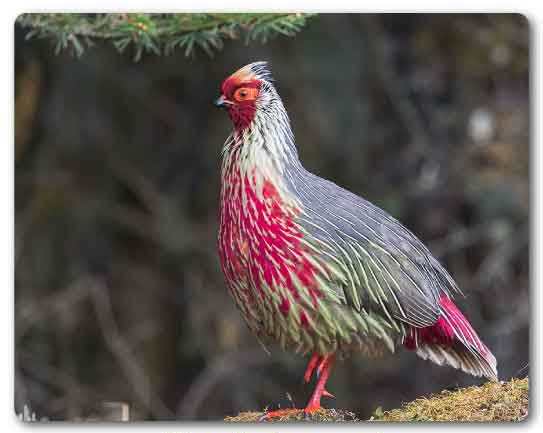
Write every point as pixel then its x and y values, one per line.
pixel 323 364
pixel 325 368
pixel 320 360
pixel 315 359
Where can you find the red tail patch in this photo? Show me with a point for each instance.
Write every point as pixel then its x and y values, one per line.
pixel 451 326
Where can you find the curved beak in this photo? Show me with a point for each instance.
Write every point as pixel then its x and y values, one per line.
pixel 221 102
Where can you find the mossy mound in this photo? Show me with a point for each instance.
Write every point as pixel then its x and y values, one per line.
pixel 493 401
pixel 323 415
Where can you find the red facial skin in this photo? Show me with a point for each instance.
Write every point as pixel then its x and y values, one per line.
pixel 241 113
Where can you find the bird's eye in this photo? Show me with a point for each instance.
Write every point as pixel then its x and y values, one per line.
pixel 245 94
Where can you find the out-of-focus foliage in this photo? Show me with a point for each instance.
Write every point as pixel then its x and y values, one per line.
pixel 118 291
pixel 157 33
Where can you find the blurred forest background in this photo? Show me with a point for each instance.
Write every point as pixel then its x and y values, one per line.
pixel 118 292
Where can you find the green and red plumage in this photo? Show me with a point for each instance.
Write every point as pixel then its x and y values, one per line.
pixel 316 268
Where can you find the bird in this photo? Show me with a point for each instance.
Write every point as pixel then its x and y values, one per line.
pixel 318 269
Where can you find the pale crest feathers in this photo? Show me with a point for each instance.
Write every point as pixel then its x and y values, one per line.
pixel 256 70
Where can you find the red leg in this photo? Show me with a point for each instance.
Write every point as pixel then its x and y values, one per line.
pixel 315 400
pixel 323 364
pixel 322 361
pixel 316 358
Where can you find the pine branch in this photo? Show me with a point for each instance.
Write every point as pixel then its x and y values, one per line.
pixel 158 33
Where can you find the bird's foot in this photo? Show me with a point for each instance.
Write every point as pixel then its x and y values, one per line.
pixel 322 365
pixel 310 410
pixel 327 394
pixel 280 413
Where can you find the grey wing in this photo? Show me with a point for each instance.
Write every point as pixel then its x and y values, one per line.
pixel 384 267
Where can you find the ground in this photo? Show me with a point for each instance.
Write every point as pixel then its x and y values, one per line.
pixel 493 401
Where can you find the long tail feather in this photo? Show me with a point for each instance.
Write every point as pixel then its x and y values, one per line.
pixel 453 341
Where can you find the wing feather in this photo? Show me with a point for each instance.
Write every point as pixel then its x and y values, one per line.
pixel 387 268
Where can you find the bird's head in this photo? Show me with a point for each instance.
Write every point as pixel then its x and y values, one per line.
pixel 246 91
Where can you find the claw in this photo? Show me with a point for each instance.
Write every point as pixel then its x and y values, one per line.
pixel 327 394
pixel 279 413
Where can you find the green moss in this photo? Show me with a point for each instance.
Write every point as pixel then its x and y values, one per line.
pixel 493 401
pixel 323 415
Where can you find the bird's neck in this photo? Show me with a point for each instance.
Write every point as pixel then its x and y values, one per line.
pixel 263 152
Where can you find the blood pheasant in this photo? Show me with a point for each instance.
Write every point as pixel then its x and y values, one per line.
pixel 317 268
